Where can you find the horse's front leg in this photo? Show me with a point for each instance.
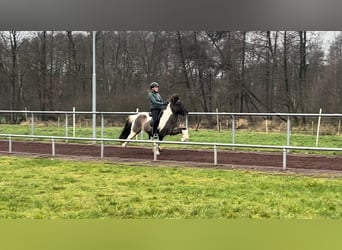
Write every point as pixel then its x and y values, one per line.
pixel 156 148
pixel 183 131
pixel 185 135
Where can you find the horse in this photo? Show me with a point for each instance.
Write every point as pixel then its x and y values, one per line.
pixel 168 124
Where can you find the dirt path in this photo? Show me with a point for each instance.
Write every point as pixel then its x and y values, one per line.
pixel 204 158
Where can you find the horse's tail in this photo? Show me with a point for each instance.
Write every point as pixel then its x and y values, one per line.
pixel 126 130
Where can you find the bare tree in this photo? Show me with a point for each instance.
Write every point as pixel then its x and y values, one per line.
pixel 13 38
pixel 236 71
pixel 331 88
pixel 302 98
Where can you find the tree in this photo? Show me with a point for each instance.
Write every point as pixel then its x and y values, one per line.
pixel 235 71
pixel 332 89
pixel 302 86
pixel 13 38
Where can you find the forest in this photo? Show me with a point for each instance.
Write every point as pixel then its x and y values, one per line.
pixel 229 71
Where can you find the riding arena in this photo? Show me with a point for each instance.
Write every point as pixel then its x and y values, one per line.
pixel 223 150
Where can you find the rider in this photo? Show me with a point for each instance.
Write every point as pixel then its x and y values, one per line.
pixel 156 106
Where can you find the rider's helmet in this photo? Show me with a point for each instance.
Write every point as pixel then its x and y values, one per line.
pixel 154 84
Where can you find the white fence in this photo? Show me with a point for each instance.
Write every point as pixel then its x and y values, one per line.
pixel 285 149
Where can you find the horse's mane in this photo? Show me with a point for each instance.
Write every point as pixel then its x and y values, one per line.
pixel 174 98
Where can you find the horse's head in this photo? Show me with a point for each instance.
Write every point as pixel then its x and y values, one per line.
pixel 177 105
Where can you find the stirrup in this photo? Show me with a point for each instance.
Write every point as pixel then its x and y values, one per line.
pixel 155 137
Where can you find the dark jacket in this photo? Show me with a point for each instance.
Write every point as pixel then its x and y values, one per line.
pixel 156 101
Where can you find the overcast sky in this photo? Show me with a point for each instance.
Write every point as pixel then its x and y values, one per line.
pixel 328 37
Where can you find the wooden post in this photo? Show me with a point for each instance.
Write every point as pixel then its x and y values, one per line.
pixel 318 126
pixel 217 120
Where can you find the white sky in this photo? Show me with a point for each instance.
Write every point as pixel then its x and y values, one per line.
pixel 328 37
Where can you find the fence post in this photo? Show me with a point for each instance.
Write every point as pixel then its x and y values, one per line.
pixel 288 132
pixel 73 122
pixel 102 149
pixel 53 146
pixel 32 124
pixel 284 158
pixel 155 151
pixel 10 144
pixel 217 120
pixel 215 154
pixel 102 125
pixel 318 126
pixel 66 126
pixel 142 131
pixel 233 131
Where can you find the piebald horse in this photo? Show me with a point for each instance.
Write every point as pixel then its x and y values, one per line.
pixel 168 124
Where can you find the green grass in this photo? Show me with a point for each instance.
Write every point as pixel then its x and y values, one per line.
pixel 54 188
pixel 202 135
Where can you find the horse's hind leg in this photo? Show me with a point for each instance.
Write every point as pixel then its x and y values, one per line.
pixel 136 128
pixel 130 136
pixel 148 129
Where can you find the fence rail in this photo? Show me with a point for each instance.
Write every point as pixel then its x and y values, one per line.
pixel 285 149
pixel 215 146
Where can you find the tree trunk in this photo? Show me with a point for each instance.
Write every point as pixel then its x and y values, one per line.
pixel 43 91
pixel 242 78
pixel 288 92
pixel 302 73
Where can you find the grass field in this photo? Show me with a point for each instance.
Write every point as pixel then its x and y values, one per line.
pixel 55 188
